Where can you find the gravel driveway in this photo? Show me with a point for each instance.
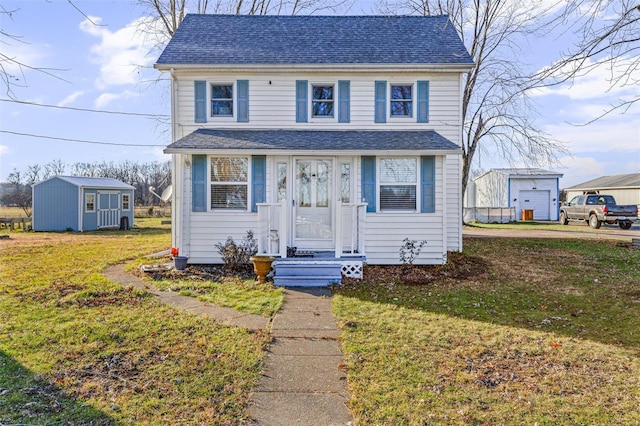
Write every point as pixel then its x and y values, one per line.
pixel 577 230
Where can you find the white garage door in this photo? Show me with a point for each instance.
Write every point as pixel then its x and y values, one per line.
pixel 538 201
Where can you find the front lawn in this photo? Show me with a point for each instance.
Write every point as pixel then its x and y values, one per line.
pixel 525 332
pixel 77 349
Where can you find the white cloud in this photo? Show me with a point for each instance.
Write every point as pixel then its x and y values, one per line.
pixel 4 150
pixel 30 55
pixel 106 98
pixel 71 98
pixel 582 169
pixel 602 81
pixel 619 134
pixel 120 54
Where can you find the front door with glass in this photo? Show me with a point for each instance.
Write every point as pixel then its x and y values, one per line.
pixel 313 214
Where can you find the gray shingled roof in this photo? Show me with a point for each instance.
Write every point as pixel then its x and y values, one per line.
pixel 316 140
pixel 282 40
pixel 631 180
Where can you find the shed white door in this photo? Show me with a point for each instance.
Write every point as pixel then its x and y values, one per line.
pixel 313 215
pixel 108 209
pixel 538 201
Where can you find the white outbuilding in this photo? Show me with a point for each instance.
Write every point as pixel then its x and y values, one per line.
pixel 527 190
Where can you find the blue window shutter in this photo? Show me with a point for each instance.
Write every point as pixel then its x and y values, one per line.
pixel 423 101
pixel 381 102
pixel 344 89
pixel 199 183
pixel 301 100
pixel 200 97
pixel 242 89
pixel 427 180
pixel 258 181
pixel 368 167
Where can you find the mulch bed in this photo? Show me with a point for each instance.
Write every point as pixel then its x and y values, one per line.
pixel 458 266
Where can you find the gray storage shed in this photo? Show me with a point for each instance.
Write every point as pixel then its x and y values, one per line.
pixel 67 203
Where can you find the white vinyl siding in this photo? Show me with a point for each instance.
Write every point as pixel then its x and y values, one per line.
pixel 386 230
pixel 272 101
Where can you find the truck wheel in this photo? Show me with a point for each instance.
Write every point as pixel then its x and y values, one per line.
pixel 563 218
pixel 594 222
pixel 625 225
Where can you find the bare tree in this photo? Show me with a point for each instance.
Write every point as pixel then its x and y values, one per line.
pixel 166 15
pixel 12 69
pixel 19 191
pixel 498 115
pixel 607 34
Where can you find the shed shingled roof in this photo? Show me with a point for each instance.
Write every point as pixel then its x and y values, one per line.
pixel 312 140
pixel 283 40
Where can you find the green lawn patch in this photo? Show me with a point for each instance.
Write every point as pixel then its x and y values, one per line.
pixel 523 332
pixel 76 348
pixel 244 295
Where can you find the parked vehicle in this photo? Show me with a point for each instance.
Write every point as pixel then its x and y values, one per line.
pixel 596 209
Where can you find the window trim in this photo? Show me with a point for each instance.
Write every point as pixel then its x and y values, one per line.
pixel 411 101
pixel 312 100
pixel 86 202
pixel 416 183
pixel 210 184
pixel 233 99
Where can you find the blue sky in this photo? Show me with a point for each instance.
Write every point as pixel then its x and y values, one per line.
pixel 105 66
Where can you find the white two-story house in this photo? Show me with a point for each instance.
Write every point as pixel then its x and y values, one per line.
pixel 337 135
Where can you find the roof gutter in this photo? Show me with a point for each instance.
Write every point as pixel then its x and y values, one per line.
pixel 318 68
pixel 394 152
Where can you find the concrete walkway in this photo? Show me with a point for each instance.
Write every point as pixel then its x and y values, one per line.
pixel 302 382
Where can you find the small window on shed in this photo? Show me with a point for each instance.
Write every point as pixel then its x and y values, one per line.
pixel 90 203
pixel 125 202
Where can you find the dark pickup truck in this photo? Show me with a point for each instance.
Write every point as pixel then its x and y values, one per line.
pixel 596 209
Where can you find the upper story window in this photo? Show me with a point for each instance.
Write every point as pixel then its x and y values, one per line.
pixel 322 103
pixel 221 99
pixel 401 100
pixel 398 183
pixel 229 182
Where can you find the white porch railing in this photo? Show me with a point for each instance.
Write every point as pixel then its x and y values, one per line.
pixel 272 229
pixel 273 232
pixel 350 224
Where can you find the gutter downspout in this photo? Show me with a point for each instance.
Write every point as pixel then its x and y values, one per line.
pixel 177 219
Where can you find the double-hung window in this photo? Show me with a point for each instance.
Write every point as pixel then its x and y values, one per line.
pixel 398 183
pixel 229 182
pixel 322 103
pixel 221 100
pixel 401 100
